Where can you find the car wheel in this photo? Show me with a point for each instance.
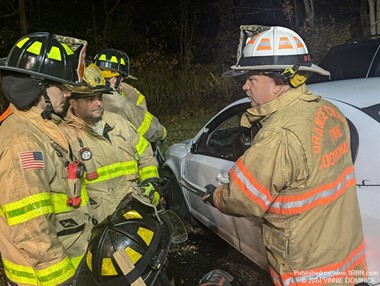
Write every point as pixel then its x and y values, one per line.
pixel 173 196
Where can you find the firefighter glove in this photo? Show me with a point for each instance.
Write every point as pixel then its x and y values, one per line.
pixel 150 192
pixel 208 198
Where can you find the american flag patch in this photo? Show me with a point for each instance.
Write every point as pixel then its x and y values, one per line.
pixel 32 160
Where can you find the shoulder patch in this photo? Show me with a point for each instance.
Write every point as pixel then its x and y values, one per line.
pixel 32 160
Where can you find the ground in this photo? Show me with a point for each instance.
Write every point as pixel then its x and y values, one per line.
pixel 201 253
pixel 205 251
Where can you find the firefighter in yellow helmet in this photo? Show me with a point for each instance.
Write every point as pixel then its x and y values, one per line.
pixel 298 174
pixel 45 217
pixel 126 100
pixel 118 160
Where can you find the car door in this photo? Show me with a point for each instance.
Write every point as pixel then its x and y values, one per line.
pixel 209 162
pixel 212 156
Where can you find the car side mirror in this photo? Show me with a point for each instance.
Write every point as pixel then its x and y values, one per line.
pixel 194 148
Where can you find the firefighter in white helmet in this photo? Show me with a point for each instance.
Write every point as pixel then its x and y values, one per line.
pixel 126 100
pixel 298 174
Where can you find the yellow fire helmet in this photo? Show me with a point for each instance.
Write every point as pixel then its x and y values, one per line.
pixel 94 82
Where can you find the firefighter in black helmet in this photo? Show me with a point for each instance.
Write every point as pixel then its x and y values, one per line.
pixel 126 100
pixel 42 238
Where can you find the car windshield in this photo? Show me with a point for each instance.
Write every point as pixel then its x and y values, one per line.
pixel 373 111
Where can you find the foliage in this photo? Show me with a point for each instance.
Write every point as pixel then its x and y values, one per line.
pixel 173 90
pixel 319 41
pixel 179 53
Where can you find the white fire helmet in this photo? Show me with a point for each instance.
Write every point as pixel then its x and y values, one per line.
pixel 276 48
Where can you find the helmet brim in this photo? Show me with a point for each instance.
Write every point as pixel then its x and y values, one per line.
pixel 85 90
pixel 40 76
pixel 240 70
pixel 131 77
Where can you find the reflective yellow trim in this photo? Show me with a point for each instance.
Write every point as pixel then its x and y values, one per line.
pixel 35 48
pixel 114 60
pixel 55 54
pixel 76 260
pixel 114 170
pixel 52 275
pixel 140 98
pixel 22 42
pixel 102 57
pixel 133 255
pixel 108 269
pixel 67 49
pixel 89 260
pixel 59 201
pixel 148 173
pixel 27 208
pixel 141 146
pixel 145 234
pixel 145 125
pixel 132 215
pixel 122 61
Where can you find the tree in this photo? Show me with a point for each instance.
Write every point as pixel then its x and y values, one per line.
pixel 374 16
pixel 22 17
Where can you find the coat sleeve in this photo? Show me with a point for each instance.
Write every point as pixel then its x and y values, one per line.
pixel 145 122
pixel 273 162
pixel 27 206
pixel 146 162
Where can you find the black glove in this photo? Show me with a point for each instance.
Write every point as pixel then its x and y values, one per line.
pixel 208 198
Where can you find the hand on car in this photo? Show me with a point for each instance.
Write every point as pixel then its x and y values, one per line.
pixel 208 198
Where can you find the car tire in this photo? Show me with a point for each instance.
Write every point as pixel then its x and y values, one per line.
pixel 174 198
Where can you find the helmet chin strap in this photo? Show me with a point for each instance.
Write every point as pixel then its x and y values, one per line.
pixel 46 113
pixel 48 110
pixel 118 81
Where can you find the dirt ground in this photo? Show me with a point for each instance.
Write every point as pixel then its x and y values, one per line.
pixel 205 251
pixel 201 253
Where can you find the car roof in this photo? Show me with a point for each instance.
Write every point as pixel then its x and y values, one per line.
pixel 361 92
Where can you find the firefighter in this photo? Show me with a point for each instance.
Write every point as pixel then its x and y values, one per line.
pixel 126 100
pixel 45 218
pixel 298 174
pixel 118 160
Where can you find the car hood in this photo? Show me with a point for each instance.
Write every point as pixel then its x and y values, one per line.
pixel 360 93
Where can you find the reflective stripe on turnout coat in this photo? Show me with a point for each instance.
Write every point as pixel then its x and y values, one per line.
pixel 41 238
pixel 299 177
pixel 116 165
